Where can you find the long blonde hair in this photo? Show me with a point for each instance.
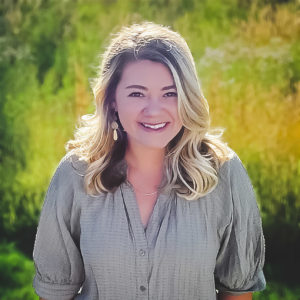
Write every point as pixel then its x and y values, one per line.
pixel 192 158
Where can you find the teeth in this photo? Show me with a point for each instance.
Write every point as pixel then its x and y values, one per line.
pixel 156 126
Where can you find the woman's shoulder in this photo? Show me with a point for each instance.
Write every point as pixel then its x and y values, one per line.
pixel 68 175
pixel 226 160
pixel 228 171
pixel 72 162
pixel 239 183
pixel 234 166
pixel 221 156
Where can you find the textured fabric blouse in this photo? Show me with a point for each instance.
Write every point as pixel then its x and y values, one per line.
pixel 96 247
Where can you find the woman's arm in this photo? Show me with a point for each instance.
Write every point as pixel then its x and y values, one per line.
pixel 224 296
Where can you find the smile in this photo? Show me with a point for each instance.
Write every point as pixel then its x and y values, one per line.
pixel 154 126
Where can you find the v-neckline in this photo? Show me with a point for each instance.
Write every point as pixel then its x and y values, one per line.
pixel 153 225
pixel 137 210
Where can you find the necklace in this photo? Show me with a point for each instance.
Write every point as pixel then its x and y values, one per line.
pixel 145 194
pixel 137 190
pixel 148 194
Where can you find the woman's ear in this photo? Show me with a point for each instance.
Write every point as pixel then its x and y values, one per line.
pixel 114 105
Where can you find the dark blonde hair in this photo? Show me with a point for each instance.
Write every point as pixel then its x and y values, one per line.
pixel 192 158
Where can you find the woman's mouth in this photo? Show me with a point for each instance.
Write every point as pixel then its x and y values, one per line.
pixel 154 127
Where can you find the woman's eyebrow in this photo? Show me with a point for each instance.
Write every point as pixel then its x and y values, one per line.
pixel 141 87
pixel 135 86
pixel 169 87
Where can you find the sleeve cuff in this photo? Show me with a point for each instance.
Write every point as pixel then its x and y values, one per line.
pixel 259 285
pixel 54 291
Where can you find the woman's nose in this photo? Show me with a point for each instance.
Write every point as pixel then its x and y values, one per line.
pixel 152 107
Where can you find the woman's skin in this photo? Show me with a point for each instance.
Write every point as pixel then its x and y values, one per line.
pixel 224 296
pixel 147 94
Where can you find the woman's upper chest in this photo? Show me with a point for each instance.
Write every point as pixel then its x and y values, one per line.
pixel 145 205
pixel 113 224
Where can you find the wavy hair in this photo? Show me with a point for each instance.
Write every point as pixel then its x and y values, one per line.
pixel 192 158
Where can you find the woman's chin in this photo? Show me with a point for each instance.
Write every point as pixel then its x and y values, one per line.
pixel 151 145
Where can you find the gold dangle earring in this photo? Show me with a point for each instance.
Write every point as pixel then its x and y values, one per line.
pixel 114 126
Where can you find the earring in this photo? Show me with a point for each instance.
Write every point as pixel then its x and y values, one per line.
pixel 114 126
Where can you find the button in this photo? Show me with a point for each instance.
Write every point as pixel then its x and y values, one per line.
pixel 142 252
pixel 142 288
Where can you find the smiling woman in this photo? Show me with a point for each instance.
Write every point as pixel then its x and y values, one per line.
pixel 148 203
pixel 148 109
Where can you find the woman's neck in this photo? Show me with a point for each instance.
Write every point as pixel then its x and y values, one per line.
pixel 144 161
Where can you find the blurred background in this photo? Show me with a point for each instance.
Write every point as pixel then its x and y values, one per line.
pixel 248 58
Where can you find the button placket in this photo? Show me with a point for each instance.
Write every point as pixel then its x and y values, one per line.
pixel 141 243
pixel 143 288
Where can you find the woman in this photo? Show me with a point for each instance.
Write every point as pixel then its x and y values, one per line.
pixel 147 204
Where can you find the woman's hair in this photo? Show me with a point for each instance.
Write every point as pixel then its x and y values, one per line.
pixel 193 156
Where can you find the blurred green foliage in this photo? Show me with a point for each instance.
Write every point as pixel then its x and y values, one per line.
pixel 276 291
pixel 248 58
pixel 16 274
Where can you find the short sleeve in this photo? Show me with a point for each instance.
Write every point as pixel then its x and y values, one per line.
pixel 57 258
pixel 240 260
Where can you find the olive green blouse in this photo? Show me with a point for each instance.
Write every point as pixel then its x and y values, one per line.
pixel 96 247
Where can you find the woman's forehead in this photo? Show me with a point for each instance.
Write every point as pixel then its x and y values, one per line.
pixel 146 71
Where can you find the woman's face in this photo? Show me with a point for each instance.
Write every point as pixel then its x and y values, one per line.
pixel 146 101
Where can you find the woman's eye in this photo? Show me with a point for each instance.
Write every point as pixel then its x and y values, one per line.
pixel 170 94
pixel 136 94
